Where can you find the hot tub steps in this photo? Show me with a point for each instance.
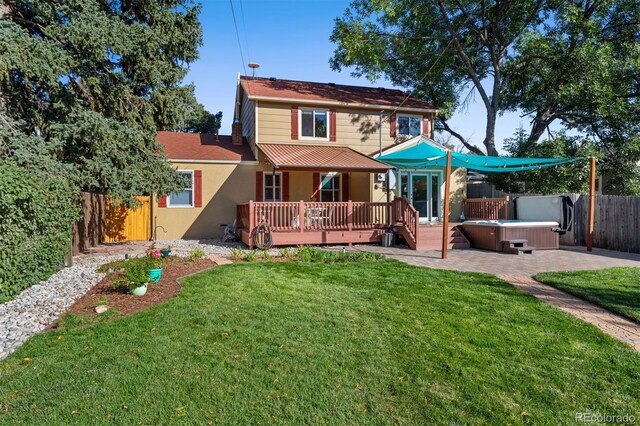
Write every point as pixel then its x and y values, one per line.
pixel 517 247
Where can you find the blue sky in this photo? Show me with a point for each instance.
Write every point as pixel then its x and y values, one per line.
pixel 289 39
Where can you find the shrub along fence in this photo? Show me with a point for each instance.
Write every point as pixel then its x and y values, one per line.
pixel 616 220
pixel 36 218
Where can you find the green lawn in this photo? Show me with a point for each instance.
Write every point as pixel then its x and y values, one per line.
pixel 292 343
pixel 616 289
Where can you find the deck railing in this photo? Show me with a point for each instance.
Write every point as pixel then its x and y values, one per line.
pixel 407 216
pixel 486 208
pixel 304 216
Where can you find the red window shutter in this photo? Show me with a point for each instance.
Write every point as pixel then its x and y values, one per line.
pixel 294 123
pixel 315 193
pixel 259 186
pixel 197 190
pixel 345 187
pixel 332 125
pixel 425 125
pixel 392 125
pixel 162 201
pixel 285 186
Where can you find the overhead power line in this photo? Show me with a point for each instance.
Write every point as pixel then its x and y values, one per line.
pixel 235 24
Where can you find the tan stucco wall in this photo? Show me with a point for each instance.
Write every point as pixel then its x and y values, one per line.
pixel 223 187
pixel 357 129
pixel 458 192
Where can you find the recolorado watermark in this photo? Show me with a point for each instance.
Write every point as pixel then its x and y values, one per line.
pixel 605 418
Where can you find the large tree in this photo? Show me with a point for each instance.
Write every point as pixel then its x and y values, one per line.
pixel 96 79
pixel 581 66
pixel 553 59
pixel 440 49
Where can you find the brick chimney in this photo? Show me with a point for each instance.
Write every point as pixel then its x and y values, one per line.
pixel 236 133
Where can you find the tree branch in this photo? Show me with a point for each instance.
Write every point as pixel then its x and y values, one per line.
pixel 445 126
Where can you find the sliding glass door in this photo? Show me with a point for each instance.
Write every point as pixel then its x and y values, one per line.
pixel 422 189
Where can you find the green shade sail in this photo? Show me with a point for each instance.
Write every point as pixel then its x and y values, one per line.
pixel 424 155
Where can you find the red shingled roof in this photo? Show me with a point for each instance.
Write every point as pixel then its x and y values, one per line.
pixel 338 93
pixel 199 146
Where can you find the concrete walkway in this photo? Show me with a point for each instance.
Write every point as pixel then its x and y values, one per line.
pixel 519 270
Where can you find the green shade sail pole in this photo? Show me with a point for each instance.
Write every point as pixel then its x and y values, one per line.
pixel 445 213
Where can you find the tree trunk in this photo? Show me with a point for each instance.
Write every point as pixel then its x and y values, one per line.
pixel 489 140
pixel 544 117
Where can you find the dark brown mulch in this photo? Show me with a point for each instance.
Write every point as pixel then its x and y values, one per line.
pixel 125 303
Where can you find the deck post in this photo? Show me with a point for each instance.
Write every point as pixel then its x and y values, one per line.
pixel 252 223
pixel 445 213
pixel 301 216
pixel 350 215
pixel 592 203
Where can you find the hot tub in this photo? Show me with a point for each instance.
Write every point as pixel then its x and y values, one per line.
pixel 489 234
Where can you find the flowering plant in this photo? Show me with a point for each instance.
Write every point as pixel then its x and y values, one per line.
pixel 153 256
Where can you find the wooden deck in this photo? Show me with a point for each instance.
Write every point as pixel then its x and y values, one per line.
pixel 298 223
pixel 293 223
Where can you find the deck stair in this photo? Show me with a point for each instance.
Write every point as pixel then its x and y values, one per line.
pixel 430 238
pixel 517 247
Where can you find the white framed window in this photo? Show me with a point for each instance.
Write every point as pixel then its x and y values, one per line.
pixel 314 123
pixel 330 187
pixel 272 186
pixel 183 198
pixel 409 125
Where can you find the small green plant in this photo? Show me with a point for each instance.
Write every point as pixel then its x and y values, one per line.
pixel 287 253
pixel 263 254
pixel 102 301
pixel 116 265
pixel 195 254
pixel 133 276
pixel 250 256
pixel 237 253
pixel 313 254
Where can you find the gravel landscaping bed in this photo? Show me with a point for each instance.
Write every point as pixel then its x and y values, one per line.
pixel 37 307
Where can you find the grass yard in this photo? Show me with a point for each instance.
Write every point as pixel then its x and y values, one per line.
pixel 615 289
pixel 294 342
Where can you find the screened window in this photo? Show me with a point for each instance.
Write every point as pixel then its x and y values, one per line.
pixel 409 125
pixel 314 123
pixel 183 198
pixel 330 187
pixel 272 186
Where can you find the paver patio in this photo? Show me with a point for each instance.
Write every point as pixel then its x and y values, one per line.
pixel 519 270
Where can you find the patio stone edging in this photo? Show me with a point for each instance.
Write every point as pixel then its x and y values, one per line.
pixel 612 324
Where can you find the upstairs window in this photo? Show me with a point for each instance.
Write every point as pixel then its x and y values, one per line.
pixel 409 125
pixel 314 123
pixel 183 198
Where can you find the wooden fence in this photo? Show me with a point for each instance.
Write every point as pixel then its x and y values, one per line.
pixel 616 224
pixel 89 231
pixel 485 208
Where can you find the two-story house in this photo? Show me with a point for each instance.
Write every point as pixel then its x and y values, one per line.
pixel 301 158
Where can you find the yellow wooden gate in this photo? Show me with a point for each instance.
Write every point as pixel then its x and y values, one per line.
pixel 123 224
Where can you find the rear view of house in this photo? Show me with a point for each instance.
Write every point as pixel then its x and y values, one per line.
pixel 301 160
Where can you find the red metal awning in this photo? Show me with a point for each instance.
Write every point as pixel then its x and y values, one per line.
pixel 320 158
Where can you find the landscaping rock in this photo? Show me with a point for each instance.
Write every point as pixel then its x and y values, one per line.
pixel 39 306
pixel 101 309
